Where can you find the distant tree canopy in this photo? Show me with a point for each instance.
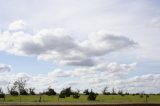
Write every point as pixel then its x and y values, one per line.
pixel 50 92
pixel 66 92
pixel 86 92
pixel 21 84
pixel 92 95
pixel 76 95
pixel 12 90
pixel 31 91
pixel 2 95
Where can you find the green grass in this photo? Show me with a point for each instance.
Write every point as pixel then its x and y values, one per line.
pixel 83 99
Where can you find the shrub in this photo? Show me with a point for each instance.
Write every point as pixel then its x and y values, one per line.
pixel 66 92
pixel 92 96
pixel 14 93
pixel 50 92
pixel 62 95
pixel 76 95
pixel 86 92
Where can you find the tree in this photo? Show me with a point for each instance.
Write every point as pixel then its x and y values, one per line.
pixel 67 92
pixel 104 92
pixel 12 90
pixel 50 92
pixel 120 92
pixel 62 94
pixel 113 92
pixel 20 84
pixel 76 95
pixel 2 95
pixel 86 92
pixel 92 95
pixel 31 91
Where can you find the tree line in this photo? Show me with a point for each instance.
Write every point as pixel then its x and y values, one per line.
pixel 19 88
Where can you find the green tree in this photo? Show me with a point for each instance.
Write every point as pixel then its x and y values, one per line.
pixel 92 96
pixel 86 92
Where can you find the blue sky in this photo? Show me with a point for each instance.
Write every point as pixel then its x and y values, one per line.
pixel 100 42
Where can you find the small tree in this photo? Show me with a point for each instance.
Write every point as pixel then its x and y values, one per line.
pixel 50 92
pixel 76 95
pixel 67 92
pixel 120 92
pixel 31 91
pixel 86 92
pixel 104 92
pixel 62 94
pixel 12 90
pixel 113 92
pixel 20 84
pixel 2 95
pixel 92 96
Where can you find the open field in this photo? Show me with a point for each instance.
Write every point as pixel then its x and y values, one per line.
pixel 83 99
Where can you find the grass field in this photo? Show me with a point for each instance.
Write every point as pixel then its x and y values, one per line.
pixel 83 99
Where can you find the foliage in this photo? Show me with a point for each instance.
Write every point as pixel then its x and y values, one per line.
pixel 104 92
pixel 12 90
pixel 62 94
pixel 92 96
pixel 66 92
pixel 86 92
pixel 50 92
pixel 2 95
pixel 31 91
pixel 113 92
pixel 20 84
pixel 76 95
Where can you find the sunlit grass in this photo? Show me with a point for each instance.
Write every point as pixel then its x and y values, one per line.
pixel 83 99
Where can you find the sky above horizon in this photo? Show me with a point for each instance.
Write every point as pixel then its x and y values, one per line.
pixel 83 44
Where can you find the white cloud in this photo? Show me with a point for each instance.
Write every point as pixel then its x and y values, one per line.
pixel 17 25
pixel 59 46
pixel 94 77
pixel 113 70
pixel 5 68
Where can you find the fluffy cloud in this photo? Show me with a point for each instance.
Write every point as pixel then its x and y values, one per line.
pixel 5 68
pixel 17 25
pixel 59 46
pixel 103 70
pixel 113 75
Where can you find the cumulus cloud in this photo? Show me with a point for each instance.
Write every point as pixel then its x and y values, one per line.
pixel 95 77
pixel 17 25
pixel 59 46
pixel 102 69
pixel 5 68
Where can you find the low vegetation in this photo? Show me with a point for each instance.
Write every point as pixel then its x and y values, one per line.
pixel 19 93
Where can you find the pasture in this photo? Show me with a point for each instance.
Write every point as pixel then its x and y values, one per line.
pixel 83 99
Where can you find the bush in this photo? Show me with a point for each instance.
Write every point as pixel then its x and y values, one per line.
pixel 14 93
pixel 66 92
pixel 23 92
pixel 62 95
pixel 92 96
pixel 86 92
pixel 76 95
pixel 50 92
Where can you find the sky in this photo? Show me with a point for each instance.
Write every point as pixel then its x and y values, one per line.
pixel 83 44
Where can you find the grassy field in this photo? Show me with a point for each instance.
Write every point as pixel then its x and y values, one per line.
pixel 83 99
